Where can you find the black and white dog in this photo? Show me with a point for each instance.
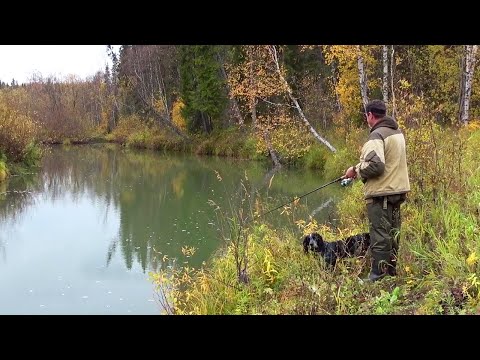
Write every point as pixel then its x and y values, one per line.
pixel 356 245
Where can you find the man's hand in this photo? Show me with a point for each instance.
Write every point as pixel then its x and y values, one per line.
pixel 350 173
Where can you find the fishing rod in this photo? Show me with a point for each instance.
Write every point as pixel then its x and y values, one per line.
pixel 344 183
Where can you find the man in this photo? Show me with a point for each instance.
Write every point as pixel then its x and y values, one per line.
pixel 383 170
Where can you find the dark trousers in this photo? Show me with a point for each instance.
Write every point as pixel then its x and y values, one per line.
pixel 385 223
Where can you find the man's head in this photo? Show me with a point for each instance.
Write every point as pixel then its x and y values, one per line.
pixel 375 110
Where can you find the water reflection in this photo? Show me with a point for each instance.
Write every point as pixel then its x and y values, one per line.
pixel 100 217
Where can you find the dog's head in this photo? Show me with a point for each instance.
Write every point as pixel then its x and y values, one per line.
pixel 313 242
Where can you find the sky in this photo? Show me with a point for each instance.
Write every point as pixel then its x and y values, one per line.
pixel 20 62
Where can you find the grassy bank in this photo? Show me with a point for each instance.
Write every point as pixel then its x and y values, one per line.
pixel 262 270
pixel 237 141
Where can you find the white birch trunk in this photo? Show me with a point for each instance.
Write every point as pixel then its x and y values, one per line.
pixel 362 77
pixel 392 74
pixel 146 96
pixel 385 73
pixel 324 141
pixel 471 51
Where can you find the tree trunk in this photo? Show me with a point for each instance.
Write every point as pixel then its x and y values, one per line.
pixel 236 111
pixel 146 94
pixel 253 101
pixel 385 74
pixel 169 125
pixel 362 77
pixel 207 122
pixel 112 121
pixel 337 98
pixel 392 74
pixel 253 109
pixel 271 150
pixel 470 53
pixel 295 102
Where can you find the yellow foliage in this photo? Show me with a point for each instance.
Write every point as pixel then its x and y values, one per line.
pixel 348 84
pixel 473 125
pixel 472 259
pixel 159 105
pixel 177 117
pixel 256 77
pixel 307 228
pixel 268 266
pixel 284 133
pixel 17 131
pixel 128 125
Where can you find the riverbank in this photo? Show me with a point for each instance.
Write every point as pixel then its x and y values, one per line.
pixel 264 271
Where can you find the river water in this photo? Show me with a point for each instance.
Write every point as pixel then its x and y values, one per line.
pixel 80 234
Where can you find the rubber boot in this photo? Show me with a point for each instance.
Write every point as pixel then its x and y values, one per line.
pixel 380 265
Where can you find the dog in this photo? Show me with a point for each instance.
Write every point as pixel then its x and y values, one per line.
pixel 356 245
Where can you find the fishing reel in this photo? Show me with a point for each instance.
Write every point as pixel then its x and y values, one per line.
pixel 346 182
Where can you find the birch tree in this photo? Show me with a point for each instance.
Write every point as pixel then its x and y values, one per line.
pixel 113 88
pixel 344 60
pixel 273 52
pixel 467 79
pixel 385 73
pixel 392 74
pixel 150 72
pixel 362 77
pixel 252 80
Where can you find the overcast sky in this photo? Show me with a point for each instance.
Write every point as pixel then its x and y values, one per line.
pixel 19 62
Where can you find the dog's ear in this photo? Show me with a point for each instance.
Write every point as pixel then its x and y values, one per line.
pixel 320 243
pixel 306 241
pixel 322 246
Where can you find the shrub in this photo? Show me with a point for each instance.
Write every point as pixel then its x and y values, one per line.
pixel 16 133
